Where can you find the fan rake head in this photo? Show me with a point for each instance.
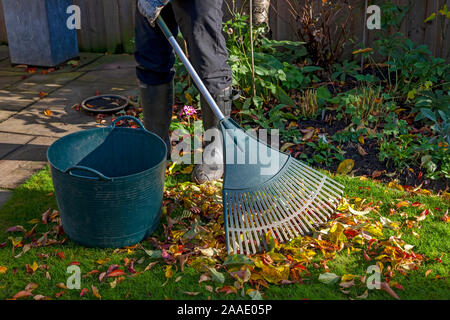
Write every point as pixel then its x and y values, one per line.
pixel 292 201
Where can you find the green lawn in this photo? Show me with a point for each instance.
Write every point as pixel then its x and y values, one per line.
pixel 33 198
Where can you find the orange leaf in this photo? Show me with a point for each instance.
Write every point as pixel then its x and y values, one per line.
pixel 48 113
pixel 22 294
pixel 95 292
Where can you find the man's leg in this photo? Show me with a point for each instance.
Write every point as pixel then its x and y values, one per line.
pixel 155 72
pixel 201 25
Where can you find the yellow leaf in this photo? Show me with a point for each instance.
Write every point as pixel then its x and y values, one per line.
pixel 188 98
pixel 34 266
pixel 394 185
pixel 348 277
pixel 275 274
pixel 345 166
pixel 3 269
pixel 403 204
pixel 361 140
pixel 188 169
pixel 48 113
pixel 169 272
pixel 286 146
pixel 102 261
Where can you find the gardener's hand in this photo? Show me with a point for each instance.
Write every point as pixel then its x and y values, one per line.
pixel 151 9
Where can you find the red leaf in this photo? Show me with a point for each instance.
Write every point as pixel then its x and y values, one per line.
pixel 366 256
pixel 84 291
pixel 385 287
pixel 116 273
pixel 61 255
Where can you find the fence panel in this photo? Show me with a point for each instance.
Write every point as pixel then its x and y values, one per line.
pixel 108 25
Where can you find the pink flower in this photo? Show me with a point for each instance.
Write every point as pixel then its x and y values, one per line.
pixel 188 110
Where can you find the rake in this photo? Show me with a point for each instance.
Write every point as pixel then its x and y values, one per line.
pixel 264 190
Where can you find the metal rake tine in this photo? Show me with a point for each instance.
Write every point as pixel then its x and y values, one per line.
pixel 252 224
pixel 246 220
pixel 296 198
pixel 258 221
pixel 313 174
pixel 262 230
pixel 242 233
pixel 310 180
pixel 230 224
pixel 299 210
pixel 332 182
pixel 311 192
pixel 269 212
pixel 236 244
pixel 300 230
pixel 275 213
pixel 263 212
pixel 320 204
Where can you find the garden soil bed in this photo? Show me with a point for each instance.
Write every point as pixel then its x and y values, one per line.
pixel 369 165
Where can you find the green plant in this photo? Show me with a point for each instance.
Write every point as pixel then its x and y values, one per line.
pixel 400 152
pixel 309 105
pixel 324 153
pixel 435 107
pixel 362 106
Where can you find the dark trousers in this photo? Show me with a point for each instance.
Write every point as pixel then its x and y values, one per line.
pixel 200 22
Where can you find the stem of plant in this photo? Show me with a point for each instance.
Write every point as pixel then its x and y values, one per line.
pixel 252 49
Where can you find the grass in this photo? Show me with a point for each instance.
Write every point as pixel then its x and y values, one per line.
pixel 30 200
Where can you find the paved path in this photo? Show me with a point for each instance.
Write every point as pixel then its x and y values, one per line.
pixel 26 133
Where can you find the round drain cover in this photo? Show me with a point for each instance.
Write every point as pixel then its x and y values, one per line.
pixel 105 103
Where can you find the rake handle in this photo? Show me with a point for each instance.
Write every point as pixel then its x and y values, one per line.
pixel 198 81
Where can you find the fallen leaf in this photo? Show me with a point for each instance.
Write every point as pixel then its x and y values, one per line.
pixel 361 151
pixel 22 294
pixel 61 285
pixel 115 273
pixel 16 229
pixel 216 275
pixel 95 292
pixel 329 278
pixel 385 287
pixel 84 291
pixel 345 166
pixel 3 270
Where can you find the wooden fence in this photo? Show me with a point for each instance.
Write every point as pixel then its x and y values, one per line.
pixel 108 25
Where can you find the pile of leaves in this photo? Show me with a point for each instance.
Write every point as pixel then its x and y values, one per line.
pixel 192 237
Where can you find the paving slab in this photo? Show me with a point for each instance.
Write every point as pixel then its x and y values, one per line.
pixel 4 52
pixel 111 62
pixel 118 76
pixel 64 119
pixel 5 114
pixel 10 142
pixel 19 165
pixel 4 196
pixel 85 59
pixel 8 78
pixel 16 100
pixel 50 82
